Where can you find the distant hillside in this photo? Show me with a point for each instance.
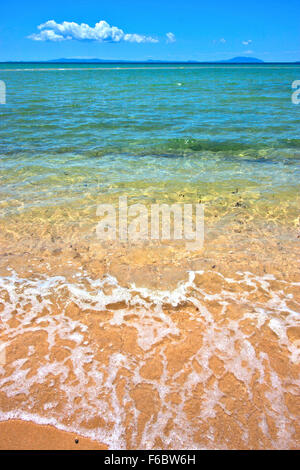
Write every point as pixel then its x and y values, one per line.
pixel 242 60
pixel 88 61
pixel 235 60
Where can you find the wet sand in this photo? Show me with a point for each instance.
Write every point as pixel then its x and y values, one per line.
pixel 23 435
pixel 140 347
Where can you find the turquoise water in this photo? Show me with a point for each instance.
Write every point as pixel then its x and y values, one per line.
pixel 151 345
pixel 69 131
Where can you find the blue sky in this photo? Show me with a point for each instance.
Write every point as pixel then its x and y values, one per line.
pixel 150 29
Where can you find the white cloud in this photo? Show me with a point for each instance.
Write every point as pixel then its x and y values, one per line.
pixel 170 37
pixel 102 31
pixel 246 43
pixel 222 41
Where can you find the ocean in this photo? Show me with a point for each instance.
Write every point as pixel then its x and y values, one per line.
pixel 145 344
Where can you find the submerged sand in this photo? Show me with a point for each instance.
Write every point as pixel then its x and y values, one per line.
pixel 22 435
pixel 151 347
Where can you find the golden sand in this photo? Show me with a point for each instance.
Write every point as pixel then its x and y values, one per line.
pixel 172 350
pixel 22 435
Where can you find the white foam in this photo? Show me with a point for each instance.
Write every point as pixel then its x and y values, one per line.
pixel 92 389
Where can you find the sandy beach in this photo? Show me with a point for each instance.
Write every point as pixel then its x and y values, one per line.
pixel 147 344
pixel 23 435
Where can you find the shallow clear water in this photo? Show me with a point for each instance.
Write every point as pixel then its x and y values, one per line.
pixel 65 133
pixel 151 346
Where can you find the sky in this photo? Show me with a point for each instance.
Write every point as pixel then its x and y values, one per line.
pixel 149 29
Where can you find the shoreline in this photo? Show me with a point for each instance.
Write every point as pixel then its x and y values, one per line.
pixel 16 434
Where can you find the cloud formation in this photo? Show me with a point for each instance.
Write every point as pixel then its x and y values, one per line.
pixel 102 32
pixel 170 37
pixel 222 41
pixel 246 43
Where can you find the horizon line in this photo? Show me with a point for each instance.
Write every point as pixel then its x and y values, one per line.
pixel 123 61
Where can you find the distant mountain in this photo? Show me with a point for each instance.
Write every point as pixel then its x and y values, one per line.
pixel 242 60
pixel 88 61
pixel 235 60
